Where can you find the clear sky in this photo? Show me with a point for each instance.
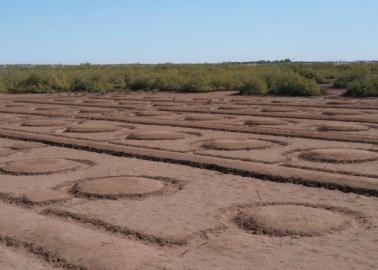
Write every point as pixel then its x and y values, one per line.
pixel 152 31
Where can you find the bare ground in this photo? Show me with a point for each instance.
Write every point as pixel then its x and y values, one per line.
pixel 188 181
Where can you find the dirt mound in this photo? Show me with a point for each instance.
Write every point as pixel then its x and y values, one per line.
pixel 339 155
pixel 93 127
pixel 156 135
pixel 122 186
pixel 203 117
pixel 26 145
pixel 278 109
pixel 5 152
pixel 38 166
pixel 264 121
pixel 43 123
pixel 230 144
pixel 291 220
pixel 342 127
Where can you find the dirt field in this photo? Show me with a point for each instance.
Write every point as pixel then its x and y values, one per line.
pixel 188 181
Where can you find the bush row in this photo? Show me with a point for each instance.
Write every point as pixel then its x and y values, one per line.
pixel 280 78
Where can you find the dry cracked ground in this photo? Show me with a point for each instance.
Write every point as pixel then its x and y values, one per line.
pixel 188 181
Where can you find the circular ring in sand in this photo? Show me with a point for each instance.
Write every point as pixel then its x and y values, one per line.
pixel 203 117
pixel 40 166
pixel 124 187
pixel 292 220
pixel 95 110
pixel 151 113
pixel 264 122
pixel 43 123
pixel 341 112
pixel 49 108
pixel 15 105
pixel 156 135
pixel 5 152
pixel 22 146
pixel 342 127
pixel 339 155
pixel 93 127
pixel 96 101
pixel 279 101
pixel 278 109
pixel 341 102
pixel 231 144
pixel 233 107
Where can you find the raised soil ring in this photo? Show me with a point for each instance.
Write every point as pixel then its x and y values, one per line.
pixel 203 118
pixel 5 152
pixel 22 146
pixel 292 220
pixel 342 127
pixel 231 144
pixel 93 127
pixel 40 166
pixel 339 155
pixel 123 187
pixel 264 122
pixel 156 135
pixel 43 123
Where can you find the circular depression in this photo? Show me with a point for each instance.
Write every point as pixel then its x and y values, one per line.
pixel 341 127
pixel 121 186
pixel 93 127
pixel 264 121
pixel 291 220
pixel 339 155
pixel 156 135
pixel 43 123
pixel 232 144
pixel 26 145
pixel 40 166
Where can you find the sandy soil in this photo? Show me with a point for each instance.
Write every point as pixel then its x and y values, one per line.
pixel 188 181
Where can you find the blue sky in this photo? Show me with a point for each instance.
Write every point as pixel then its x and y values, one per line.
pixel 155 31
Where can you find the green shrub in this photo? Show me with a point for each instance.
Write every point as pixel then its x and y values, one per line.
pixel 81 85
pixel 354 72
pixel 364 87
pixel 254 86
pixel 292 85
pixel 33 83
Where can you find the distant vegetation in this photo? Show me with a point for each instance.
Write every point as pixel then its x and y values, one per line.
pixel 279 78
